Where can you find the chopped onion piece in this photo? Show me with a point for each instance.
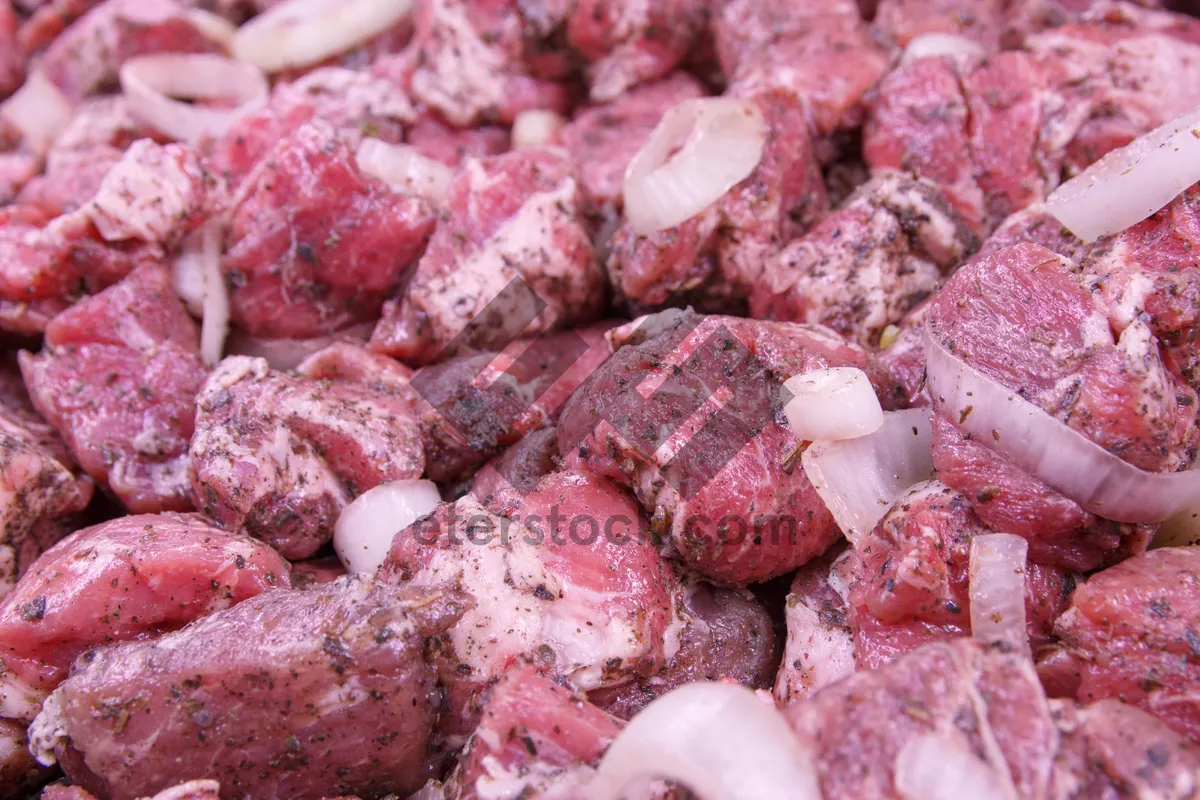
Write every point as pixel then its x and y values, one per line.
pixel 937 767
pixel 363 534
pixel 941 44
pixel 187 272
pixel 830 404
pixel 1131 183
pixel 215 325
pixel 214 27
pixel 1043 446
pixel 405 169
pixel 860 478
pixel 297 33
pixel 719 140
pixel 719 740
pixel 997 586
pixel 149 83
pixel 39 110
pixel 536 128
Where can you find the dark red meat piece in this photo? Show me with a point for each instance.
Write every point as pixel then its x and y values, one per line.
pixel 118 378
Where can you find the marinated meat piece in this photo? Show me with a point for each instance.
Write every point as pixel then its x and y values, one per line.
pixel 565 575
pixel 773 44
pixel 604 138
pixel 117 379
pixel 280 457
pixel 317 572
pixel 520 467
pixel 314 245
pixel 535 740
pixel 1034 224
pixel 435 140
pixel 131 578
pixel 85 58
pixel 12 66
pixel 866 265
pixel 510 256
pixel 729 635
pixel 191 790
pixel 688 413
pixel 1023 318
pixel 820 644
pixel 17 169
pixel 902 356
pixel 357 104
pixel 909 579
pixel 1133 633
pixel 628 42
pixel 714 258
pixel 290 694
pixel 19 773
pixel 982 21
pixel 470 62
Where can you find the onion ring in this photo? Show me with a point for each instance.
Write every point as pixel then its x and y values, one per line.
pixel 298 33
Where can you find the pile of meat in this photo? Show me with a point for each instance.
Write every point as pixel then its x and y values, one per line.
pixel 399 399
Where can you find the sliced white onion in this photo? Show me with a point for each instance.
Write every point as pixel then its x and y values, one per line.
pixel 39 110
pixel 187 272
pixel 719 740
pixel 1041 445
pixel 830 404
pixel 404 169
pixel 720 141
pixel 297 33
pixel 150 83
pixel 997 586
pixel 937 767
pixel 1129 184
pixel 941 44
pixel 212 26
pixel 859 479
pixel 363 534
pixel 536 128
pixel 215 325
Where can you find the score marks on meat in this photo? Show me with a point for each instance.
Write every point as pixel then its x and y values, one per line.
pixel 720 419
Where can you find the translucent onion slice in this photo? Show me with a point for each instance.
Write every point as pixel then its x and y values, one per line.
pixel 215 325
pixel 39 110
pixel 1129 184
pixel 860 478
pixel 997 587
pixel 1041 445
pixel 719 740
pixel 363 533
pixel 830 404
pixel 941 44
pixel 298 33
pixel 214 27
pixel 187 272
pixel 151 82
pixel 719 142
pixel 405 169
pixel 936 767
pixel 536 128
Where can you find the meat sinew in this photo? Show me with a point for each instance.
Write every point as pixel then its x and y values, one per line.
pixel 280 457
pixel 271 697
pixel 118 379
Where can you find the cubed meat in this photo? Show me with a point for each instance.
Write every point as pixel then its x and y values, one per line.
pixel 470 64
pixel 190 790
pixel 290 694
pixel 510 256
pixel 85 58
pixel 688 413
pixel 12 63
pixel 433 139
pixel 117 378
pixel 902 356
pixel 315 245
pixel 603 138
pixel 280 457
pixel 714 258
pixel 627 42
pixel 122 580
pixel 1133 633
pixel 19 773
pixel 519 467
pixel 981 21
pixel 535 739
pixel 866 265
pixel 820 645
pixel 908 579
pixel 565 575
pixel 1023 318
